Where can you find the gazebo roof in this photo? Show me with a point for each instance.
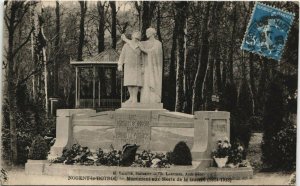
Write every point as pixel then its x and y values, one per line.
pixel 108 56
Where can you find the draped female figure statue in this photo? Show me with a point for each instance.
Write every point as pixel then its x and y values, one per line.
pixel 152 60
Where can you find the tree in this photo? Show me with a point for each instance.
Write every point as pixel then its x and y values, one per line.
pixel 57 48
pixel 202 66
pixel 83 9
pixel 213 56
pixel 172 70
pixel 113 23
pixel 242 127
pixel 180 16
pixel 232 40
pixel 147 15
pixel 101 27
pixel 14 15
pixel 272 121
pixel 114 41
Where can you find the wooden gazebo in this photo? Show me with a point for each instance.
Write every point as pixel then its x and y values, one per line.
pixel 98 84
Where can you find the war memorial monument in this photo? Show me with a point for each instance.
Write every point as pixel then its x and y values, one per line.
pixel 143 122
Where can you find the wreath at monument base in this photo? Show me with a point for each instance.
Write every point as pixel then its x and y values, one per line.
pixel 78 155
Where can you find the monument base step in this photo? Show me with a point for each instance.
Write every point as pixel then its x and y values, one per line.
pixel 174 173
pixel 142 106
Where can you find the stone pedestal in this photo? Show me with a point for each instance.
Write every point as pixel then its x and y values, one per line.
pixel 209 127
pixel 64 129
pixel 152 129
pixel 35 167
pixel 136 106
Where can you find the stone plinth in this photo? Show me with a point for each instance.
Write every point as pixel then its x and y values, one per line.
pixel 152 129
pixel 142 106
pixel 64 129
pixel 35 167
pixel 210 126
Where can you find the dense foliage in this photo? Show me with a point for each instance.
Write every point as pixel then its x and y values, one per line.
pixel 279 140
pixel 39 149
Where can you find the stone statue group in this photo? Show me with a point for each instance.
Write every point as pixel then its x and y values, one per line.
pixel 143 62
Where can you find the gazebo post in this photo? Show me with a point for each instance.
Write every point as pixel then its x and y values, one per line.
pixel 79 87
pixel 99 93
pixel 76 88
pixel 94 85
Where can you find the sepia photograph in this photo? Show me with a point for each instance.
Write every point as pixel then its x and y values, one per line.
pixel 149 92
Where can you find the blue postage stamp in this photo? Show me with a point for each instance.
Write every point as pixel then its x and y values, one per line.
pixel 267 31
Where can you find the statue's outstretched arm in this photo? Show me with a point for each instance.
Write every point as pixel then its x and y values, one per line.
pixel 128 41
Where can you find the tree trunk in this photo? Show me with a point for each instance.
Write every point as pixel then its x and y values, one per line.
pixel 114 42
pixel 57 53
pixel 83 9
pixel 218 72
pixel 113 23
pixel 202 66
pixel 100 8
pixel 13 11
pixel 172 73
pixel 262 86
pixel 252 82
pixel 147 15
pixel 232 40
pixel 181 16
pixel 11 88
pixel 158 23
pixel 214 62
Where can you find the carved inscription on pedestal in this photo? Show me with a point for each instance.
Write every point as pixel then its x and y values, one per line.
pixel 133 128
pixel 219 130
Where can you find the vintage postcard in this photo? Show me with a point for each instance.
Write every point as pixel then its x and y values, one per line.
pixel 149 92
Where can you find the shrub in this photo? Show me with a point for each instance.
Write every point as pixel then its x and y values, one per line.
pixel 236 154
pixel 280 150
pixel 256 123
pixel 39 149
pixel 273 123
pixel 240 130
pixel 23 144
pixel 181 154
pixel 286 144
